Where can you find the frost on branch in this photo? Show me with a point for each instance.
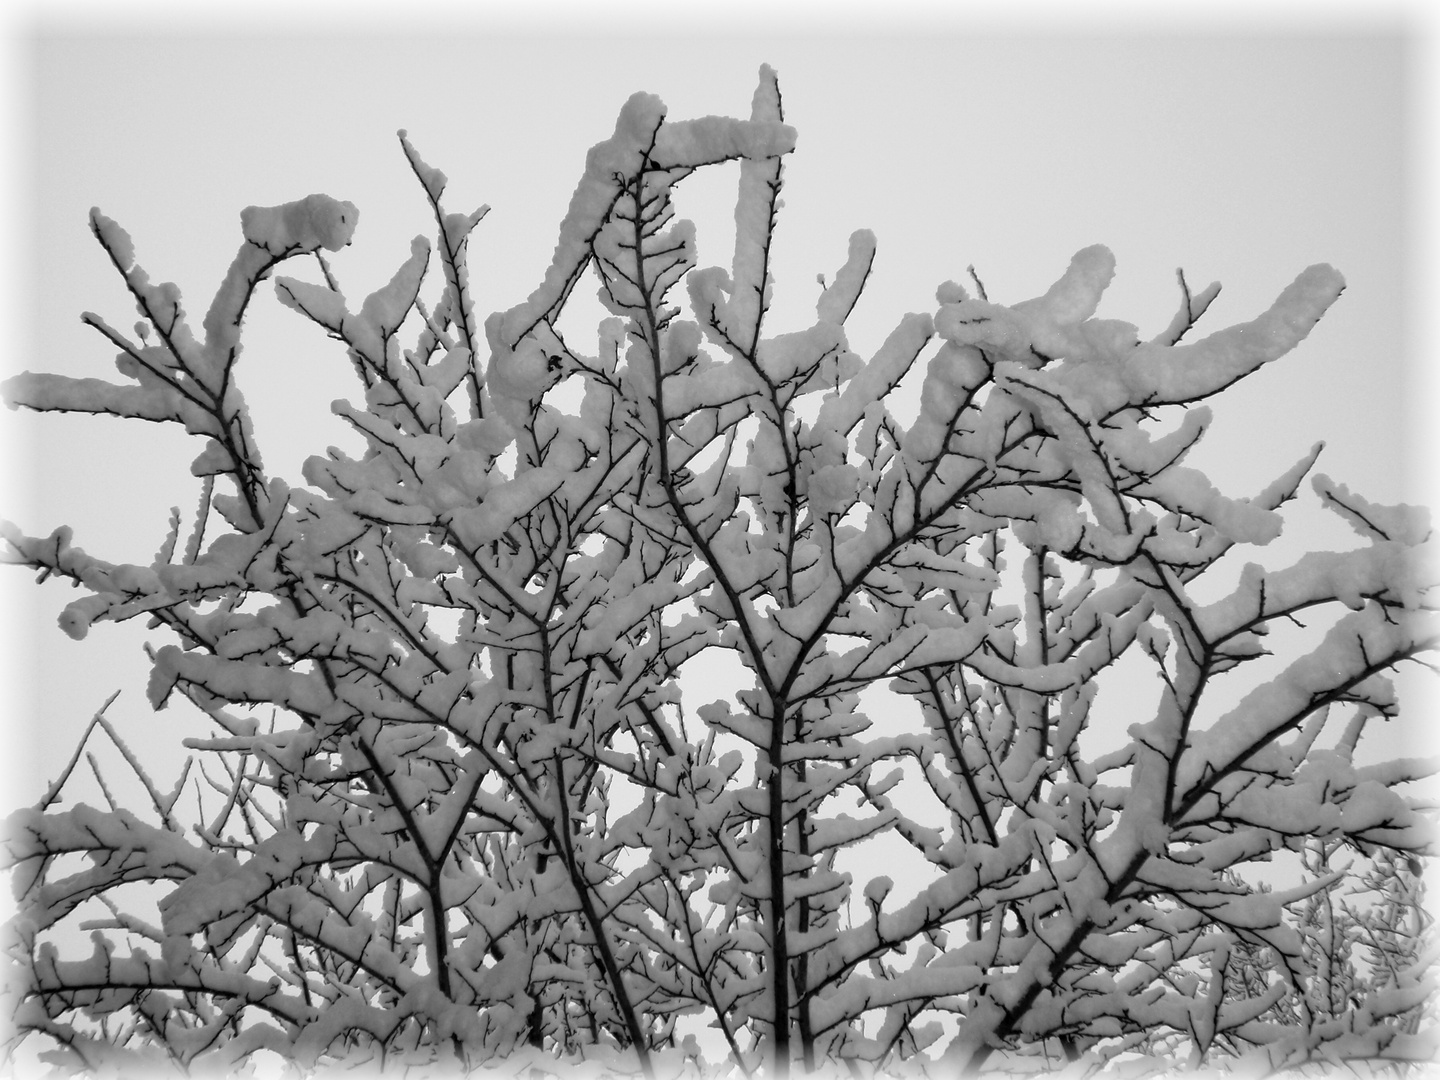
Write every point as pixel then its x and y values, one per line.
pixel 458 803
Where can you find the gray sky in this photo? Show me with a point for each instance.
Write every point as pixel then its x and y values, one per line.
pixel 1240 151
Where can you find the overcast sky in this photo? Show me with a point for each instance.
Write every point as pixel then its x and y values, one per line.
pixel 1240 151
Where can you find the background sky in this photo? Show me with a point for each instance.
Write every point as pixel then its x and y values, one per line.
pixel 1240 147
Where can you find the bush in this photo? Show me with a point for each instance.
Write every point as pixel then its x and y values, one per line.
pixel 460 813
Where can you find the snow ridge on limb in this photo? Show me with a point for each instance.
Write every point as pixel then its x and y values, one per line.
pixel 838 298
pixel 1188 372
pixel 272 233
pixel 755 211
pixel 381 314
pixel 1407 525
pixel 1075 296
pixel 458 306
pixel 641 138
pixel 619 156
pixel 315 221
